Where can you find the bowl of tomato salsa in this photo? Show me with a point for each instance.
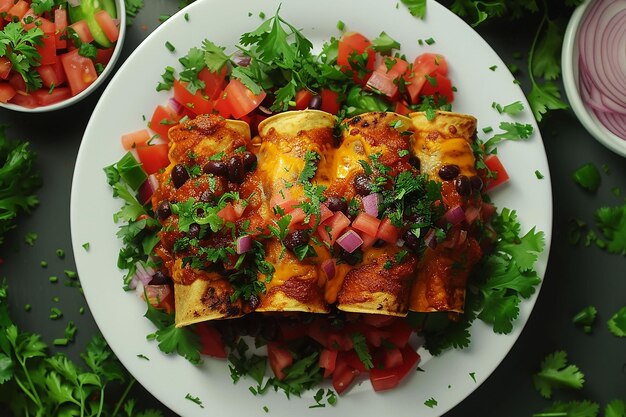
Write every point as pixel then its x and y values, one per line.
pixel 54 54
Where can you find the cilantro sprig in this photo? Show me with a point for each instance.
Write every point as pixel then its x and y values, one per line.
pixel 19 46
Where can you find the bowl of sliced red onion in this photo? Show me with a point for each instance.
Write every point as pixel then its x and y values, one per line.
pixel 594 70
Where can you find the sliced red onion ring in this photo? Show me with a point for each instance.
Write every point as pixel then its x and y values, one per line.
pixel 244 244
pixel 370 204
pixel 176 106
pixel 142 276
pixel 431 239
pixel 602 63
pixel 240 59
pixel 328 266
pixel 350 241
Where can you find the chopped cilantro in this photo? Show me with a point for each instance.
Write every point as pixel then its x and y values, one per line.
pixel 169 46
pixel 571 409
pixel 340 25
pixel 585 318
pixel 30 238
pixel 493 67
pixel 361 349
pixel 617 323
pixel 588 177
pixel 512 109
pixel 384 44
pixel 194 400
pixel 431 402
pixel 539 175
pixel 556 373
pixel 416 7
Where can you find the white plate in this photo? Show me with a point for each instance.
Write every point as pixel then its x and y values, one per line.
pixel 131 94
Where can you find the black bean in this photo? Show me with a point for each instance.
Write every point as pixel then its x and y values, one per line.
pixel 379 243
pixel 315 102
pixel 194 230
pixel 463 185
pixel 449 172
pixel 160 278
pixel 352 258
pixel 295 239
pixel 217 168
pixel 410 240
pixel 337 203
pixel 476 182
pixel 164 210
pixel 179 175
pixel 415 162
pixel 362 185
pixel 249 161
pixel 236 170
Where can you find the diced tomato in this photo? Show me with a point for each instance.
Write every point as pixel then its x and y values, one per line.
pixel 387 231
pixel 332 228
pixel 134 139
pixel 425 64
pixel 241 100
pixel 103 56
pixel 80 71
pixel 239 208
pixel 51 74
pixel 194 102
pixel 303 98
pixel 495 165
pixel 384 79
pixel 42 23
pixel 24 100
pixel 402 108
pixel 162 120
pixel 45 97
pixel 297 217
pixel 214 83
pixel 352 359
pixel 47 49
pixel 17 82
pixel 318 331
pixel 228 213
pixel 378 320
pixel 366 223
pixel 487 211
pixel 18 10
pixel 343 376
pixel 439 85
pixel 153 157
pixel 292 331
pixel 108 26
pixel 279 358
pixel 368 240
pixel 82 30
pixel 385 379
pixel 339 340
pixel 375 335
pixel 328 361
pixel 5 5
pixel 5 67
pixel 330 101
pixel 222 106
pixel 392 358
pixel 351 45
pixel 211 341
pixel 60 26
pixel 284 201
pixel 325 212
pixel 400 333
pixel 472 213
pixel 7 92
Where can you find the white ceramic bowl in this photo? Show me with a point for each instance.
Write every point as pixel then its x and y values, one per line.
pixel 569 64
pixel 108 70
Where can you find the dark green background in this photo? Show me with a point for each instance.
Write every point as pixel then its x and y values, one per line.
pixel 576 276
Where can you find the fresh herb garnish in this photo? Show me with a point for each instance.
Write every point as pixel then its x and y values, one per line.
pixel 556 373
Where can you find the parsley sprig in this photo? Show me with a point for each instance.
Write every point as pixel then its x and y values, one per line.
pixel 18 45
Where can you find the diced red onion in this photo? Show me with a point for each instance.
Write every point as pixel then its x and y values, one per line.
pixel 148 188
pixel 142 276
pixel 370 204
pixel 74 3
pixel 400 243
pixel 350 241
pixel 265 110
pixel 328 266
pixel 176 106
pixel 240 59
pixel 462 237
pixel 244 244
pixel 455 215
pixel 602 63
pixel 431 239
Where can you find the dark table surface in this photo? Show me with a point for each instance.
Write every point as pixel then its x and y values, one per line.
pixel 577 276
